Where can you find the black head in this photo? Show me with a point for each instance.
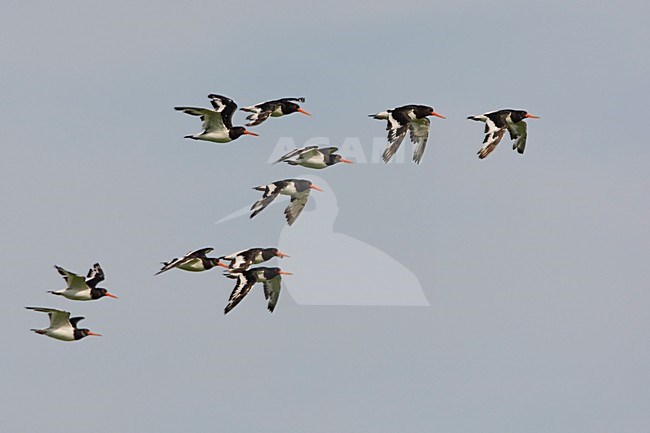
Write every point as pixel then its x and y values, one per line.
pixel 215 262
pixel 81 333
pixel 269 253
pixel 422 111
pixel 100 292
pixel 290 107
pixel 237 131
pixel 270 273
pixel 519 115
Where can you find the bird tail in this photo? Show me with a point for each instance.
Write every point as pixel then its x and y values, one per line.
pixel 379 116
pixel 38 331
pixel 191 136
pixel 54 293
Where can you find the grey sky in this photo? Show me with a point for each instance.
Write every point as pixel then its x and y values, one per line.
pixel 535 267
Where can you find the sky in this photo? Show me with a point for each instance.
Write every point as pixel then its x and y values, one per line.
pixel 528 273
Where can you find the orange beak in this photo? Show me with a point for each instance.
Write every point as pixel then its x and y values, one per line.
pixel 110 295
pixel 532 116
pixel 285 273
pixel 282 255
pixel 316 188
pixel 300 110
pixel 347 161
pixel 223 265
pixel 94 335
pixel 251 133
pixel 437 115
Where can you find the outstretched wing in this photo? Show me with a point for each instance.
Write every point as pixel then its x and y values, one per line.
pixel 296 205
pixel 493 135
pixel 74 281
pixel 241 260
pixel 76 320
pixel 271 191
pixel 301 99
pixel 177 261
pixel 58 318
pixel 212 120
pixel 225 106
pixel 95 276
pixel 397 126
pixel 518 132
pixel 272 291
pixel 297 152
pixel 243 286
pixel 419 135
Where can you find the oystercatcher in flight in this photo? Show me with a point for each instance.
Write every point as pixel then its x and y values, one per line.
pixel 62 327
pixel 496 123
pixel 242 260
pixel 298 189
pixel 275 108
pixel 194 261
pixel 411 118
pixel 270 277
pixel 313 157
pixel 80 288
pixel 217 123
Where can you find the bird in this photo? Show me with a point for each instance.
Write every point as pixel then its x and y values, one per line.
pixel 62 327
pixel 298 189
pixel 217 123
pixel 409 117
pixel 193 261
pixel 242 260
pixel 496 123
pixel 80 288
pixel 275 108
pixel 270 277
pixel 313 157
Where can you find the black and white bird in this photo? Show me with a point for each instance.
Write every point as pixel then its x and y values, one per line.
pixel 193 261
pixel 242 260
pixel 62 327
pixel 298 189
pixel 217 123
pixel 496 123
pixel 275 108
pixel 313 157
pixel 411 118
pixel 80 288
pixel 270 277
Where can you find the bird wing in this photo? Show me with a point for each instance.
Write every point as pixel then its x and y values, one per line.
pixel 419 135
pixel 241 260
pixel 225 106
pixel 75 320
pixel 397 126
pixel 243 286
pixel 95 276
pixel 301 99
pixel 296 152
pixel 177 261
pixel 493 135
pixel 58 318
pixel 518 132
pixel 212 120
pixel 271 191
pixel 272 291
pixel 258 117
pixel 74 281
pixel 200 253
pixel 296 205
